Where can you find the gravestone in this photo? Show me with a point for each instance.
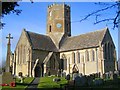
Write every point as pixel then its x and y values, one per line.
pixel 67 77
pixel 119 72
pixel 21 77
pixel 59 73
pixel 56 80
pixel 75 75
pixel 80 81
pixel 63 74
pixel 7 78
pixel 99 75
pixel 90 80
pixel 98 82
pixel 96 75
pixel 80 74
pixel 116 72
pixel 92 76
pixel 107 75
pixel 115 78
pixel 103 76
pixel 111 74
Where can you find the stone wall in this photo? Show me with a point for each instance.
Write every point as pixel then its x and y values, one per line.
pixel 86 64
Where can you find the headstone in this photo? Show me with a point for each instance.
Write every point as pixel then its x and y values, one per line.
pixel 116 72
pixel 56 80
pixel 80 81
pixel 59 73
pixel 107 75
pixel 119 72
pixel 99 74
pixel 90 80
pixel 104 76
pixel 7 78
pixel 75 75
pixel 115 77
pixel 63 74
pixel 98 82
pixel 68 77
pixel 111 74
pixel 80 74
pixel 93 75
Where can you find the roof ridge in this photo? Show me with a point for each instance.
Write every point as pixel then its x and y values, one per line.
pixel 104 29
pixel 36 33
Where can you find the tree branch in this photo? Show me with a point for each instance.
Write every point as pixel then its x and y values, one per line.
pixel 87 16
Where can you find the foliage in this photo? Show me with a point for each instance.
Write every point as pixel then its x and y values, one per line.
pixel 9 7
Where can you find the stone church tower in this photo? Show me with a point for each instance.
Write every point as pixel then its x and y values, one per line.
pixel 58 23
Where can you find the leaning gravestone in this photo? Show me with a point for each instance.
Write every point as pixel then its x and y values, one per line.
pixel 7 78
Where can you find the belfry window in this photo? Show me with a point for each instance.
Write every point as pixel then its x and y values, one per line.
pixel 68 28
pixel 50 28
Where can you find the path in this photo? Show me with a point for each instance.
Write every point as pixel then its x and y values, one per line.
pixel 34 84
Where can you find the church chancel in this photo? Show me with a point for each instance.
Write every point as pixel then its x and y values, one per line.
pixel 38 55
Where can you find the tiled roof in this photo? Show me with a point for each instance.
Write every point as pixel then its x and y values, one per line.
pixel 82 41
pixel 44 42
pixel 41 42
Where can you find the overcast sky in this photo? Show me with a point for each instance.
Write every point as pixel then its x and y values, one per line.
pixel 33 18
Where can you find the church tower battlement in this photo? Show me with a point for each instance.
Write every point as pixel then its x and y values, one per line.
pixel 58 22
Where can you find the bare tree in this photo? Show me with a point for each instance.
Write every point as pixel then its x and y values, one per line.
pixel 106 6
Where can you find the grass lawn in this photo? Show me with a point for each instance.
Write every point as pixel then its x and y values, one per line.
pixel 47 82
pixel 19 85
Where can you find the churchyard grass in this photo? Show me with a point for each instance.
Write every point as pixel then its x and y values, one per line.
pixel 47 82
pixel 19 85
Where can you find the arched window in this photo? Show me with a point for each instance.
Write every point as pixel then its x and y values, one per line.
pixel 87 55
pixel 105 51
pixel 62 64
pixel 93 55
pixel 67 28
pixel 73 57
pixel 77 57
pixel 17 55
pixel 65 64
pixel 108 51
pixel 112 52
pixel 82 58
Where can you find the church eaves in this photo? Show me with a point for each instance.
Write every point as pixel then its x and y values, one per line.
pixel 83 41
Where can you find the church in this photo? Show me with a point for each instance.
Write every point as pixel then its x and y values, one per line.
pixel 38 55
